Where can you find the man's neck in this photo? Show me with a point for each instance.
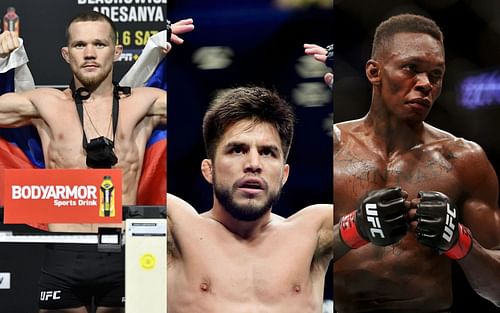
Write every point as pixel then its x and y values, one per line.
pixel 392 133
pixel 247 230
pixel 103 89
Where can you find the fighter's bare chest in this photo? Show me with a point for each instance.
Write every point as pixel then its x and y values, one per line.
pixel 358 171
pixel 262 268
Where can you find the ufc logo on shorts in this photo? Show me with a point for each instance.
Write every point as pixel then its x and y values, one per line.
pixel 372 217
pixel 449 226
pixel 50 295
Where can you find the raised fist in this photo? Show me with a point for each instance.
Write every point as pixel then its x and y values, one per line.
pixel 379 219
pixel 438 226
pixel 9 41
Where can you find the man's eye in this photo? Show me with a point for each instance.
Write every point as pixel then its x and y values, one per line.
pixel 100 45
pixel 267 152
pixel 436 75
pixel 410 67
pixel 237 150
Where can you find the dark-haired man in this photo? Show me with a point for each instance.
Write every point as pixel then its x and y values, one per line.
pixel 239 256
pixel 90 52
pixel 389 258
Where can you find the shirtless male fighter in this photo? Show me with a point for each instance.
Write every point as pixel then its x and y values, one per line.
pixel 389 258
pixel 239 256
pixel 90 53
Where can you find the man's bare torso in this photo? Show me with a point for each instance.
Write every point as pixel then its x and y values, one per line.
pixel 217 271
pixel 404 277
pixel 61 134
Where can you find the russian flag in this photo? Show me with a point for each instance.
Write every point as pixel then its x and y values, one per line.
pixel 153 182
pixel 21 148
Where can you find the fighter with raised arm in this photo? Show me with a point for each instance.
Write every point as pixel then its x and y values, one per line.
pixel 99 141
pixel 239 256
pixel 90 53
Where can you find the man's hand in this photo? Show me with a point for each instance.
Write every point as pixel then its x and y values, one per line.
pixel 317 52
pixel 181 27
pixel 438 226
pixel 9 42
pixel 177 28
pixel 380 219
pixel 322 55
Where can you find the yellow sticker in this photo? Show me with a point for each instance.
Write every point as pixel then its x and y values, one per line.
pixel 148 261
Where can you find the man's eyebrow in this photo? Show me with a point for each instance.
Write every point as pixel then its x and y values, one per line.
pixel 75 42
pixel 97 40
pixel 233 144
pixel 414 58
pixel 274 148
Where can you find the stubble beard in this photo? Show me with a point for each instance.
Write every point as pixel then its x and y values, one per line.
pixel 248 212
pixel 91 82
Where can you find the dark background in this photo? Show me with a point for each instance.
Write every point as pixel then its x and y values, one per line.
pixel 471 31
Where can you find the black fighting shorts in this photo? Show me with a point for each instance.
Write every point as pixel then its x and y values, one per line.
pixel 73 274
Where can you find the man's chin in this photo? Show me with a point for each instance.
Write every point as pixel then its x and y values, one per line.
pixel 246 209
pixel 91 81
pixel 247 213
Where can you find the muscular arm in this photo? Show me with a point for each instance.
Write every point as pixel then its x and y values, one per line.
pixel 482 215
pixel 153 104
pixel 325 235
pixel 17 109
pixel 159 107
pixel 178 212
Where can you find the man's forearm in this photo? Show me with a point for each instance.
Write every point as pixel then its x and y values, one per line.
pixel 149 59
pixel 339 247
pixel 482 269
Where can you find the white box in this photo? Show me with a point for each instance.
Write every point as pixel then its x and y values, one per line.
pixel 146 265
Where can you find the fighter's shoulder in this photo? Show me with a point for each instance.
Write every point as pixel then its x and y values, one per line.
pixel 143 96
pixel 47 92
pixel 316 214
pixel 178 208
pixel 47 96
pixel 139 91
pixel 343 130
pixel 456 149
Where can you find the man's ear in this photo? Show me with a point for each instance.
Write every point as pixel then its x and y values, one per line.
pixel 118 52
pixel 207 170
pixel 65 54
pixel 286 172
pixel 372 69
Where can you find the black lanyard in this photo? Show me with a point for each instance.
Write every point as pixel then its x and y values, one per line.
pixel 82 93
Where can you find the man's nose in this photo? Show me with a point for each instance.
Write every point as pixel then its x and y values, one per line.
pixel 89 52
pixel 423 83
pixel 252 162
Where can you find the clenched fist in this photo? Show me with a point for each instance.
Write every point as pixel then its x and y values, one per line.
pixel 9 41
